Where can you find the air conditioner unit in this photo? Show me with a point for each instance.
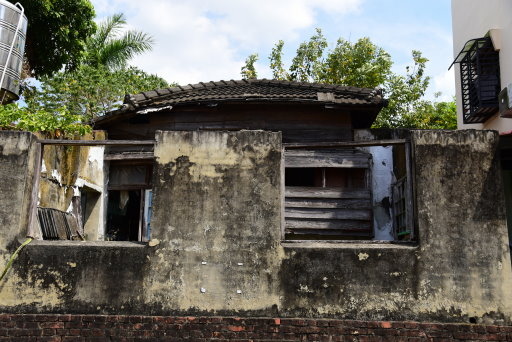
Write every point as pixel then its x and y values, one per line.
pixel 505 100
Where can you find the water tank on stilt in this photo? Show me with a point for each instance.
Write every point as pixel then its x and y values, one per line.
pixel 13 30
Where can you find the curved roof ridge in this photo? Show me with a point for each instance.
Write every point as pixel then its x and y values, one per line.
pixel 235 89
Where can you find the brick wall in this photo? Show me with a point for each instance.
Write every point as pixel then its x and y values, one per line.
pixel 136 328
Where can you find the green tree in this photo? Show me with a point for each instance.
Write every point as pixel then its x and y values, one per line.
pixel 40 119
pixel 56 34
pixel 363 64
pixel 360 64
pixel 248 71
pixel 109 48
pixel 90 91
pixel 431 115
pixel 404 93
pixel 69 99
pixel 307 63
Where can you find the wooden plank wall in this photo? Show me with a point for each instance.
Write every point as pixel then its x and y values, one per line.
pixel 327 212
pixel 298 123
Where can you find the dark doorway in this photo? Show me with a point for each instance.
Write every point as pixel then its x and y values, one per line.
pixel 123 218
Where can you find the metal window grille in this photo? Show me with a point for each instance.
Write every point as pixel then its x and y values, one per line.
pixel 480 80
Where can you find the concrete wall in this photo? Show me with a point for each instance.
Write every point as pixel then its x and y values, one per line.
pixel 473 19
pixel 17 164
pixel 216 247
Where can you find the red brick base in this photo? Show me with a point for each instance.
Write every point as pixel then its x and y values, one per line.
pixel 136 328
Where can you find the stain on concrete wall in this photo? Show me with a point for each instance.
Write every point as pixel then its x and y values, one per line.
pixel 17 164
pixel 217 213
pixel 217 246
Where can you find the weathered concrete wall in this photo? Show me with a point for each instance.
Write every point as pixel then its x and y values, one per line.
pixel 67 168
pixel 217 214
pixel 17 164
pixel 463 249
pixel 216 245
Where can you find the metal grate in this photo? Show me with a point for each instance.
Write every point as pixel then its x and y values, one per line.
pixel 400 207
pixel 480 80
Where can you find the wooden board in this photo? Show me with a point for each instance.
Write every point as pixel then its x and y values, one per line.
pixel 326 234
pixel 331 158
pixel 327 224
pixel 298 123
pixel 328 213
pixel 315 192
pixel 328 203
pixel 321 213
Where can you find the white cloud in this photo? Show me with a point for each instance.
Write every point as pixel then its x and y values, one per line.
pixel 209 40
pixel 199 40
pixel 445 83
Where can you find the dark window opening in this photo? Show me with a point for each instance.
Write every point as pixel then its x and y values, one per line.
pixel 123 215
pixel 325 177
pixel 129 201
pixel 300 177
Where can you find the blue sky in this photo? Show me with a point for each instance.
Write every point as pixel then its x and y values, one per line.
pixel 209 40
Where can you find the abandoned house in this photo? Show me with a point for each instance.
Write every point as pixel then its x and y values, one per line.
pixel 257 198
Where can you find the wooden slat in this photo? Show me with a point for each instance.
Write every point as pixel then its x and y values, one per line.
pixel 315 192
pixel 328 203
pixel 129 156
pixel 60 225
pixel 301 233
pixel 314 135
pixel 345 159
pixel 327 224
pixel 319 213
pixel 95 142
pixel 346 143
pixel 74 227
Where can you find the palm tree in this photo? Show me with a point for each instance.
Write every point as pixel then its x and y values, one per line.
pixel 107 48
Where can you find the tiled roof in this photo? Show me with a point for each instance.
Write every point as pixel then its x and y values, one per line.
pixel 255 90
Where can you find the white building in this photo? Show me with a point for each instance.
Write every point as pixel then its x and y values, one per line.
pixel 482 44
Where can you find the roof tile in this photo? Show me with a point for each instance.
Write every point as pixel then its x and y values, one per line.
pixel 258 90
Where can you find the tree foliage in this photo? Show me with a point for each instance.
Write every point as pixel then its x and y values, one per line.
pixel 107 47
pixel 68 100
pixel 363 64
pixel 90 92
pixel 41 119
pixel 248 71
pixel 56 34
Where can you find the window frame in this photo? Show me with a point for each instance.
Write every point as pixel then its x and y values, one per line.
pixel 33 227
pixel 410 203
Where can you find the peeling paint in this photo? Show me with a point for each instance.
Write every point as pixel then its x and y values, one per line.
pixel 153 242
pixel 363 256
